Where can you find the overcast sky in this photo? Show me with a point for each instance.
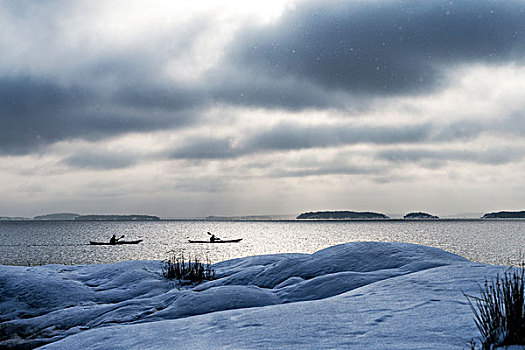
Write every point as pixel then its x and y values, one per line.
pixel 189 109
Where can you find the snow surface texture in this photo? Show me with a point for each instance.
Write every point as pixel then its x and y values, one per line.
pixel 361 295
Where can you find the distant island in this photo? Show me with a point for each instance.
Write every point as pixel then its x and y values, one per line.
pixel 341 215
pixel 78 217
pixel 117 218
pixel 56 217
pixel 419 215
pixel 505 215
pixel 14 218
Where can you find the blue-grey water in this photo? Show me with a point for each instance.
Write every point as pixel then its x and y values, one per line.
pixel 67 242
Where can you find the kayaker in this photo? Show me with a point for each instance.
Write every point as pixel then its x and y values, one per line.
pixel 213 238
pixel 113 240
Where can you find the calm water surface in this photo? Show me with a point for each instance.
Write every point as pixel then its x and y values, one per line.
pixel 37 243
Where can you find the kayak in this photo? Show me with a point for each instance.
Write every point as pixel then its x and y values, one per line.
pixel 116 243
pixel 220 241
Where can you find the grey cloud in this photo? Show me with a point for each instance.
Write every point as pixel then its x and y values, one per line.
pixel 253 88
pixel 203 184
pixel 288 137
pixel 209 148
pixel 323 169
pixel 169 98
pixel 53 92
pixel 439 157
pixel 101 160
pixel 460 130
pixel 321 55
pixel 285 137
pixel 512 124
pixel 35 113
pixel 383 47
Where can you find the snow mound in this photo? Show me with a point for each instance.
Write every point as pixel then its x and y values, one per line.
pixel 128 305
pixel 269 271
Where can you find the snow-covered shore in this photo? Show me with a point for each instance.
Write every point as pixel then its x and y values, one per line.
pixel 360 295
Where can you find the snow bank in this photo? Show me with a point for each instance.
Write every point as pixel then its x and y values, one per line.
pixel 356 295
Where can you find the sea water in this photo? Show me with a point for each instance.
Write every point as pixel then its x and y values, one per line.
pixel 67 242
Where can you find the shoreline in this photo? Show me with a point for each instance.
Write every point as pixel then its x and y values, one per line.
pixel 278 220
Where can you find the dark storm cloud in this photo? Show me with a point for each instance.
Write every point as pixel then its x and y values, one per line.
pixel 38 112
pixel 387 47
pixel 66 85
pixel 253 88
pixel 320 55
pixel 169 98
pixel 35 113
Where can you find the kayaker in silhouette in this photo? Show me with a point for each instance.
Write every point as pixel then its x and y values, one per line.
pixel 114 240
pixel 213 238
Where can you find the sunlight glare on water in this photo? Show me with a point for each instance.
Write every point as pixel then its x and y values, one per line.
pixel 38 243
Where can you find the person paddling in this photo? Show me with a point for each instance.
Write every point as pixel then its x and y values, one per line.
pixel 114 239
pixel 213 238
